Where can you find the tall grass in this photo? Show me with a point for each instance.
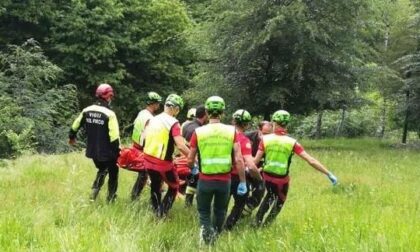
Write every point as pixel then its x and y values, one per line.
pixel 44 206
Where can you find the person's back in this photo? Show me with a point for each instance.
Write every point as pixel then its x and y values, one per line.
pixel 254 138
pixel 103 140
pixel 187 132
pixel 158 141
pixel 264 128
pixel 153 101
pixel 241 119
pixel 215 144
pixel 190 118
pixel 101 126
pixel 161 134
pixel 278 149
pixel 200 119
pixel 188 129
pixel 139 124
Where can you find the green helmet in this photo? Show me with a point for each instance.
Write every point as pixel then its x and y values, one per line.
pixel 215 104
pixel 174 100
pixel 241 116
pixel 281 117
pixel 153 97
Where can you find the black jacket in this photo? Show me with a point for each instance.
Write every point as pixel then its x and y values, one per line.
pixel 189 129
pixel 101 126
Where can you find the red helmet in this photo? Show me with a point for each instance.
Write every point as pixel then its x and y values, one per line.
pixel 104 91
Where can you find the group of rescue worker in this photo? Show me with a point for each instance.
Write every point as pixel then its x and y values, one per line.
pixel 223 160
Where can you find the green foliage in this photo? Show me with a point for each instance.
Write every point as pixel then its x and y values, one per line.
pixel 33 109
pixel 357 123
pixel 410 68
pixel 283 54
pixel 16 133
pixel 303 56
pixel 136 46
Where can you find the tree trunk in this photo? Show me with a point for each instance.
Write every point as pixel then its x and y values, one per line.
pixel 383 114
pixel 318 132
pixel 341 124
pixel 405 129
pixel 383 119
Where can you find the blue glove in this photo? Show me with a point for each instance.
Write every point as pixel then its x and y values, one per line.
pixel 242 189
pixel 194 170
pixel 332 178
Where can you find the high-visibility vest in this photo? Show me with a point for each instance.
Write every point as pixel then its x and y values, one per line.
pixel 215 145
pixel 278 151
pixel 157 137
pixel 139 125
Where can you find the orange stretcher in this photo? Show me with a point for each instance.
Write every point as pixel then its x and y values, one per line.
pixel 131 159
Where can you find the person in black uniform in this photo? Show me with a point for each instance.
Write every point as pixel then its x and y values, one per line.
pixel 264 127
pixel 187 131
pixel 103 140
pixel 256 188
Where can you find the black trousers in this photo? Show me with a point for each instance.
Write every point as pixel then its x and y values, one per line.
pixel 256 193
pixel 139 184
pixel 246 203
pixel 104 168
pixel 275 198
pixel 239 203
pixel 162 207
pixel 212 202
pixel 191 189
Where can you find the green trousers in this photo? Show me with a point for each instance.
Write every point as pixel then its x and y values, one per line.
pixel 216 193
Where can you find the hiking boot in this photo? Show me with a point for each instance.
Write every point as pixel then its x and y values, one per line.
pixel 94 194
pixel 207 237
pixel 189 199
pixel 247 211
pixel 111 198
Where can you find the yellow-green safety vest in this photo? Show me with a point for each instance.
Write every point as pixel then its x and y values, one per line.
pixel 278 151
pixel 157 135
pixel 139 125
pixel 215 145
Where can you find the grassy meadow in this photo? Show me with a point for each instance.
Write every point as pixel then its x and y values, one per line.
pixel 44 206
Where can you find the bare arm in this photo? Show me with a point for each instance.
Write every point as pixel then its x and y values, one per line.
pixel 253 169
pixel 258 156
pixel 180 143
pixel 143 134
pixel 239 162
pixel 314 162
pixel 191 157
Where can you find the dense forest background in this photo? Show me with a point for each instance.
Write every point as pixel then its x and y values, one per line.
pixel 342 68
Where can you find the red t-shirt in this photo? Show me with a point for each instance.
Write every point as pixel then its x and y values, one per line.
pixel 153 163
pixel 297 148
pixel 246 148
pixel 220 177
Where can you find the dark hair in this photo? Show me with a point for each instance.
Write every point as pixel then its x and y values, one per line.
pixel 200 112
